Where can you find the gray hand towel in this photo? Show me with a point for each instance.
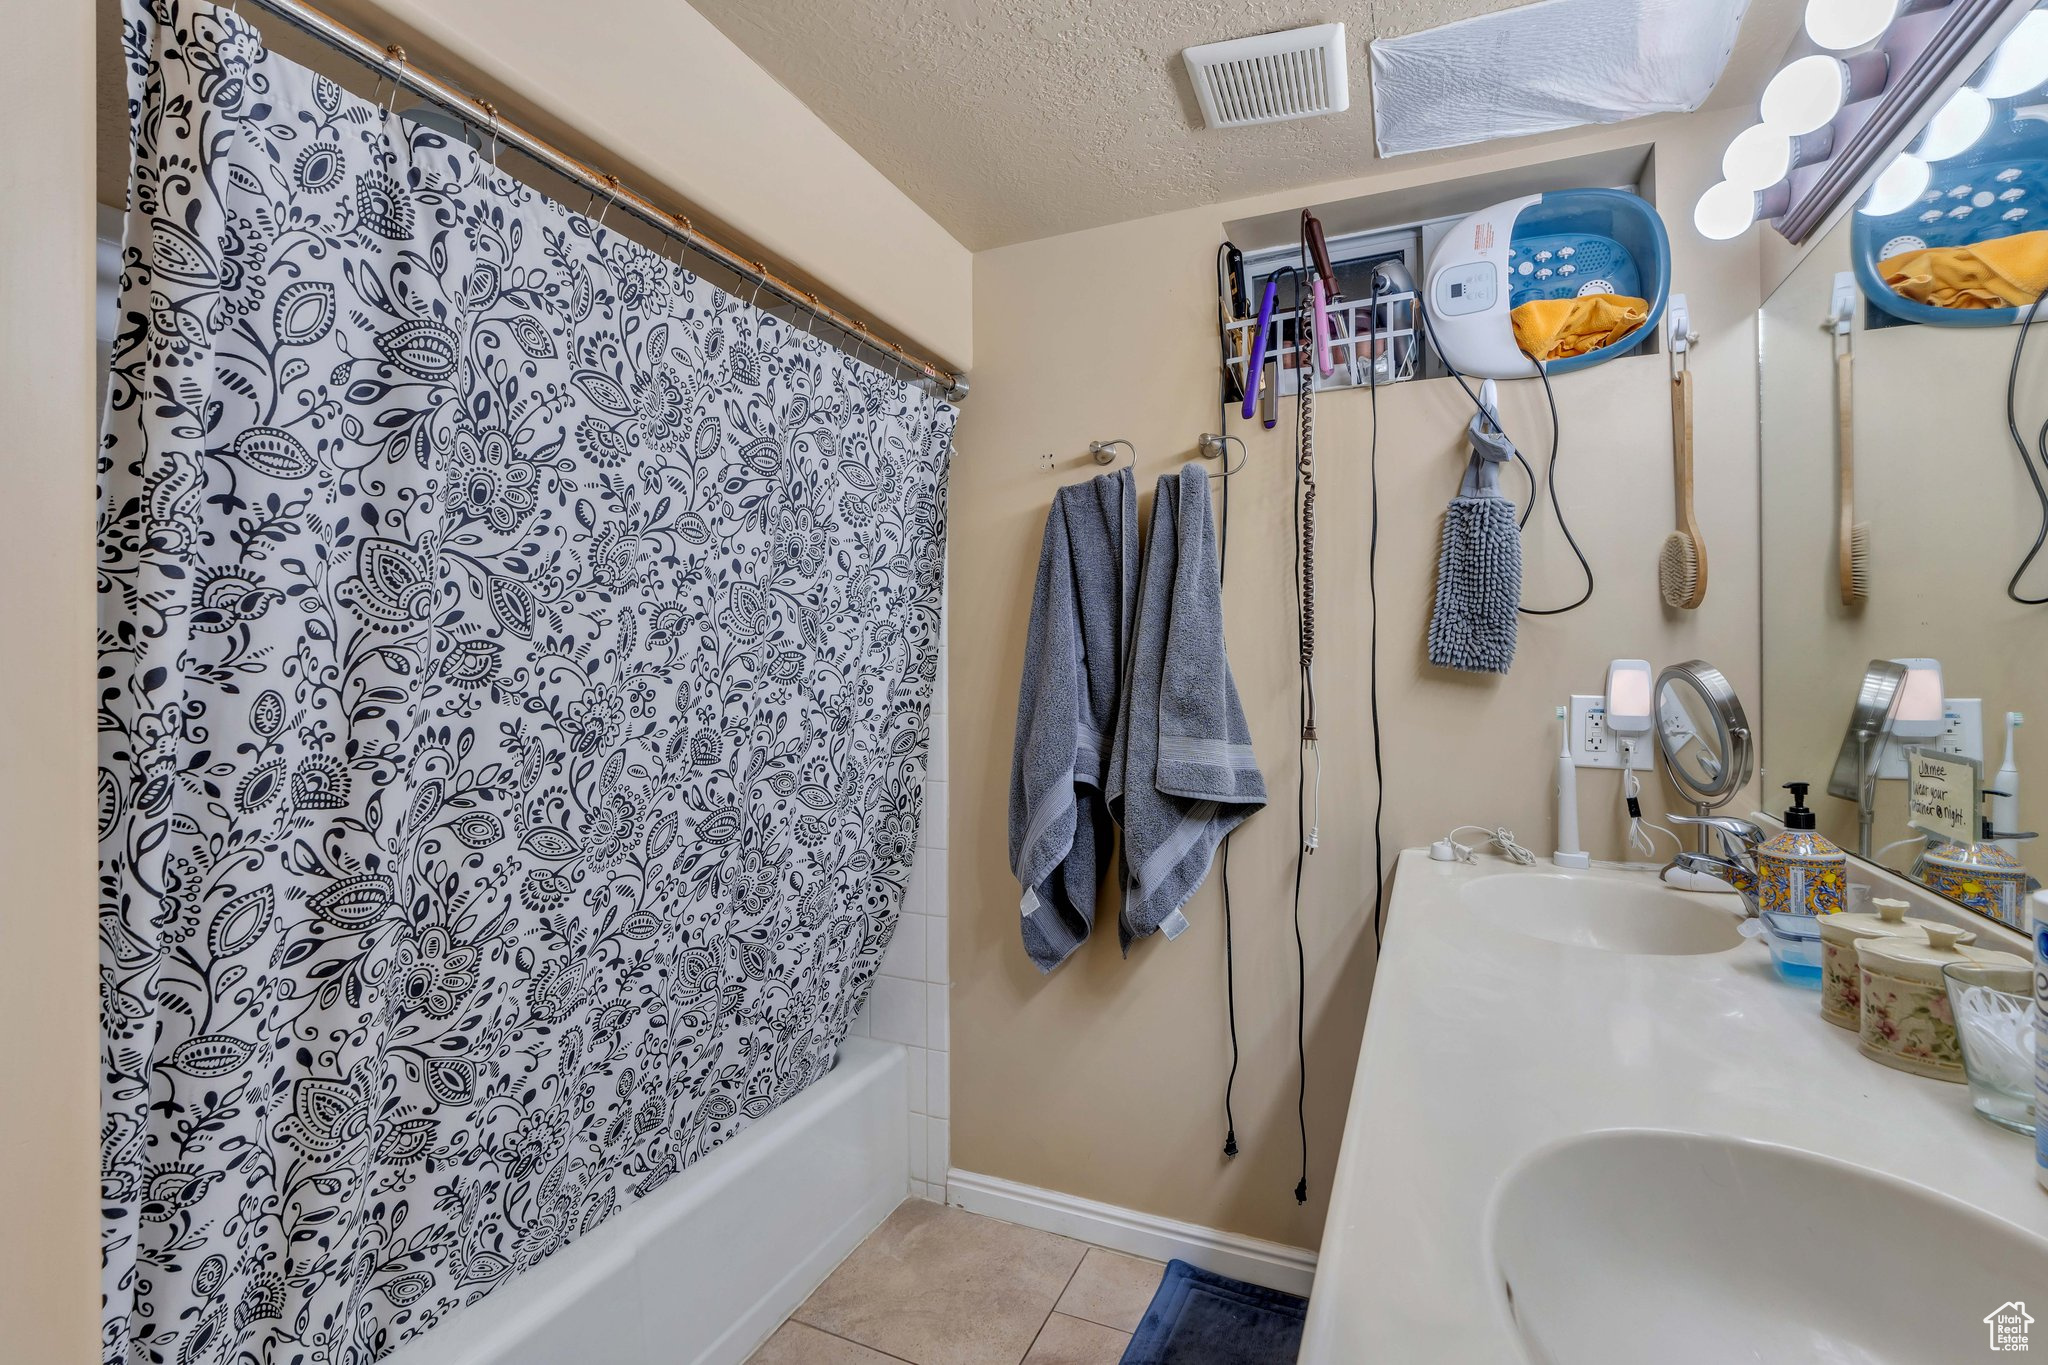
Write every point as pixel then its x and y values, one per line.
pixel 1182 774
pixel 1081 608
pixel 1479 568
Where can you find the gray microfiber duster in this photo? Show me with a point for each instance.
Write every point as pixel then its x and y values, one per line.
pixel 1479 572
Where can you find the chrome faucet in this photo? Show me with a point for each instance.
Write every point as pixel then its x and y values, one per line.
pixel 1736 865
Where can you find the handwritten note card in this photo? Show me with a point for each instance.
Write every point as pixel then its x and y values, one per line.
pixel 1941 794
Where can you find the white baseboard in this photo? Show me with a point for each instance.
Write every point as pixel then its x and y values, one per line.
pixel 1286 1268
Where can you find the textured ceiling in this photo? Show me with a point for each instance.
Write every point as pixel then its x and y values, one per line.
pixel 1010 120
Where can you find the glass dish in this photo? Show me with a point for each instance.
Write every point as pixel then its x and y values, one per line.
pixel 1994 1011
pixel 1794 941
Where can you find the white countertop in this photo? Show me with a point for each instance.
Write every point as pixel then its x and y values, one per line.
pixel 1482 1047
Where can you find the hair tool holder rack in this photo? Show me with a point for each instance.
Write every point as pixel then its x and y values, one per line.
pixel 1355 336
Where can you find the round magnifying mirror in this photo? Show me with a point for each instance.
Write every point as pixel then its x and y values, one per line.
pixel 1702 734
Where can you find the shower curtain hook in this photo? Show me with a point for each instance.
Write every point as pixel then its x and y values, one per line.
pixel 492 110
pixel 684 232
pixel 760 278
pixel 611 183
pixel 394 67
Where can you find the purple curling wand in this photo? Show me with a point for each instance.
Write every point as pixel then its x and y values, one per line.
pixel 1257 367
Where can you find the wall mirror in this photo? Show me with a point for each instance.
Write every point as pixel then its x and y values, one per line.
pixel 1905 454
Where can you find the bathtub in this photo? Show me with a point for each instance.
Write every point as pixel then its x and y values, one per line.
pixel 702 1270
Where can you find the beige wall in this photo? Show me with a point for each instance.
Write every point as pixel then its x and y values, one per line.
pixel 1106 1079
pixel 1950 514
pixel 49 1117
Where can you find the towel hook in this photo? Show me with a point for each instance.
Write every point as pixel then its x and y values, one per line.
pixel 1213 447
pixel 1105 451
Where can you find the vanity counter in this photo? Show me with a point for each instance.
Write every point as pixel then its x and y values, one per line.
pixel 1483 1046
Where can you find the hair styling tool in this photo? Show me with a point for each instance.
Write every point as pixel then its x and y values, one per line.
pixel 1255 372
pixel 1311 750
pixel 1231 303
pixel 1319 254
pixel 1326 359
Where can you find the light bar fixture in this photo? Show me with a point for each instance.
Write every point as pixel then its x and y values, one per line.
pixel 1726 211
pixel 1897 187
pixel 1955 127
pixel 2020 65
pixel 1843 25
pixel 1828 117
pixel 1807 95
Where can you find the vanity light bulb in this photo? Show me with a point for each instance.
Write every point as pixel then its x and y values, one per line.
pixel 1956 126
pixel 1839 25
pixel 2021 63
pixel 1898 187
pixel 1806 96
pixel 1725 212
pixel 1758 158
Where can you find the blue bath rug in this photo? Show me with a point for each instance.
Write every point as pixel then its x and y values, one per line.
pixel 1200 1318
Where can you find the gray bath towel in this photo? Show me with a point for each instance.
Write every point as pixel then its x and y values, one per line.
pixel 1182 775
pixel 1060 832
pixel 1479 570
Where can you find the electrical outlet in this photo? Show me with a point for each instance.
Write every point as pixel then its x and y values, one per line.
pixel 1962 735
pixel 1595 746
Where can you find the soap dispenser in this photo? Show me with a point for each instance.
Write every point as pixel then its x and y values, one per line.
pixel 1982 875
pixel 1800 871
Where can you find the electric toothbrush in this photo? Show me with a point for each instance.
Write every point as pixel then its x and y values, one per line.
pixel 2005 806
pixel 1568 854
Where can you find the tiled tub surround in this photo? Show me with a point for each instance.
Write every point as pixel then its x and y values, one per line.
pixel 908 1003
pixel 1484 1045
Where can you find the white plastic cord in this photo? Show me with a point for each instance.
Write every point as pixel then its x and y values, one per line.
pixel 1639 840
pixel 1500 837
pixel 1885 852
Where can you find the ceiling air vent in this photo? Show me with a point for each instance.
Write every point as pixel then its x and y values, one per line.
pixel 1275 76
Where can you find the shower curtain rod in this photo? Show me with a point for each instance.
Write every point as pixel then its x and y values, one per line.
pixel 391 64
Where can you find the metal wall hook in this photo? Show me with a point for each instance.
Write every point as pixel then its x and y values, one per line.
pixel 1215 447
pixel 1105 451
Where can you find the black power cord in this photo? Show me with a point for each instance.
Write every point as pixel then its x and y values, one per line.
pixel 1304 322
pixel 1550 472
pixel 1222 568
pixel 2012 425
pixel 1372 593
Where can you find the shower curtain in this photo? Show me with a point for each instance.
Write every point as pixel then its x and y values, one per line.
pixel 516 659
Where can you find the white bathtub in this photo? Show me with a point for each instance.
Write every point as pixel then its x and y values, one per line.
pixel 702 1270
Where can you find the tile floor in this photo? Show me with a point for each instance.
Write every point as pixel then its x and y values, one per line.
pixel 940 1286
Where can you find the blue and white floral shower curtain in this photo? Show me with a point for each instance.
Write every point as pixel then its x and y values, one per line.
pixel 516 659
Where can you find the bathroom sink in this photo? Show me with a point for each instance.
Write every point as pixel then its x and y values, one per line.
pixel 1635 1245
pixel 1612 916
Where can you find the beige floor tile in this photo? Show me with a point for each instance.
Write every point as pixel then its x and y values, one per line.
pixel 796 1344
pixel 1112 1289
pixel 941 1286
pixel 1071 1341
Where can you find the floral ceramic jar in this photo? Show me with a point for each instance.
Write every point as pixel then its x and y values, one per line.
pixel 1982 876
pixel 1906 1019
pixel 1800 871
pixel 1841 983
